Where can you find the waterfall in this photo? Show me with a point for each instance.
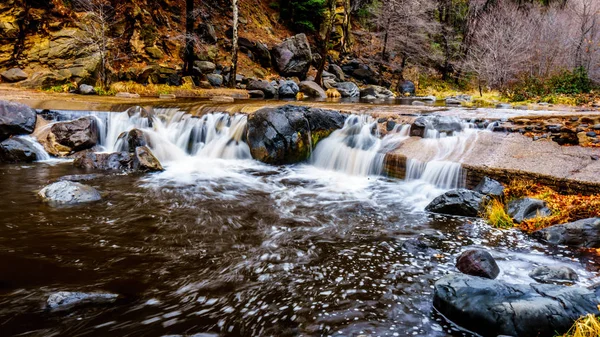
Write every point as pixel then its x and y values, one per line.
pixel 173 134
pixel 36 147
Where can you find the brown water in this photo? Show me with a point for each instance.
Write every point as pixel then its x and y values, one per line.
pixel 238 249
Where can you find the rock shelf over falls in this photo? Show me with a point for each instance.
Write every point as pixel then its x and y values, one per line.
pixel 287 220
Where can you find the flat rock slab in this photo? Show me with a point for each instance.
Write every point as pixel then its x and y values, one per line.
pixel 65 300
pixel 493 307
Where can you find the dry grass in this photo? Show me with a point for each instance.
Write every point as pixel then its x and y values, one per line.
pixel 155 90
pixel 564 208
pixel 496 215
pixel 586 326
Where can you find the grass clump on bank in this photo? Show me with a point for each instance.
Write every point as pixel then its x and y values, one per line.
pixel 155 90
pixel 564 207
pixel 586 326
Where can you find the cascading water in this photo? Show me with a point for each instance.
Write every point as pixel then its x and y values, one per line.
pixel 36 147
pixel 173 134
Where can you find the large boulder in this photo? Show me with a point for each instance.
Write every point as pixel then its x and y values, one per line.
pixel 141 160
pixel 457 202
pixel 312 89
pixel 17 150
pixel 581 233
pixel 266 87
pixel 15 119
pixel 377 92
pixel 368 76
pixel 406 88
pixel 554 274
pixel 477 262
pixel 490 187
pixel 493 307
pixel 347 89
pixel 68 193
pixel 293 56
pixel 288 89
pixel 337 71
pixel 129 140
pixel 79 134
pixel 285 134
pixel 526 208
pixel 13 75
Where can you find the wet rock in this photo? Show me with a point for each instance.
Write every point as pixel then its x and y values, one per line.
pixel 256 94
pixel 67 300
pixel 17 150
pixel 16 119
pixel 446 124
pixel 581 233
pixel 85 89
pixel 418 127
pixel 146 161
pixel 452 101
pixel 526 208
pixel 461 202
pixel 312 89
pixel 377 92
pixel 80 134
pixel 215 80
pixel 80 177
pixel 503 106
pixel 368 76
pixel 266 87
pixel 68 193
pixel 337 71
pixel 205 67
pixel 292 57
pixel 131 140
pixel 554 274
pixel 490 187
pixel 13 75
pixel 406 88
pixel 288 89
pixel 348 89
pixel 477 262
pixel 283 135
pixel 493 307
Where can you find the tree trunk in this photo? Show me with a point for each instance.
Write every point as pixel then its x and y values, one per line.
pixel 188 62
pixel 234 47
pixel 324 46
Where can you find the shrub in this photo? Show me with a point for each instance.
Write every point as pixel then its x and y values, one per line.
pixel 496 215
pixel 586 326
pixel 304 15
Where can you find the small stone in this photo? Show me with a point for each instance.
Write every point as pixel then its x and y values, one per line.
pixel 167 96
pixel 595 157
pixel 554 274
pixel 591 134
pixel 477 262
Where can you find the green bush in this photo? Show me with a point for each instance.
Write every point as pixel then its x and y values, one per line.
pixel 573 82
pixel 304 15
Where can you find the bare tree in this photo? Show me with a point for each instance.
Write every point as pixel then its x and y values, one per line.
pixel 329 23
pixel 501 45
pixel 585 15
pixel 96 25
pixel 188 57
pixel 234 42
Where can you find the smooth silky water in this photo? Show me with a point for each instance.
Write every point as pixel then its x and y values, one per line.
pixel 221 243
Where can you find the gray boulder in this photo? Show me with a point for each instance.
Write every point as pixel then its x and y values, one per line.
pixel 85 89
pixel 13 75
pixel 283 135
pixel 17 150
pixel 16 119
pixel 581 233
pixel 288 89
pixel 461 202
pixel 526 208
pixel 337 71
pixel 130 140
pixel 206 67
pixel 79 134
pixel 215 80
pixel 367 75
pixel 406 88
pixel 266 87
pixel 493 307
pixel 477 262
pixel 554 274
pixel 347 89
pixel 68 193
pixel 377 92
pixel 292 57
pixel 312 89
pixel 141 160
pixel 490 187
pixel 67 300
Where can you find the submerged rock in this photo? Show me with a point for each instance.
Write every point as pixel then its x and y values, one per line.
pixel 69 193
pixel 554 274
pixel 16 119
pixel 490 187
pixel 493 307
pixel 477 262
pixel 457 202
pixel 581 233
pixel 66 300
pixel 285 134
pixel 17 150
pixel 79 134
pixel 526 208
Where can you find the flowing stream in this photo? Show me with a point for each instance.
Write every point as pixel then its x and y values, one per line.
pixel 219 243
